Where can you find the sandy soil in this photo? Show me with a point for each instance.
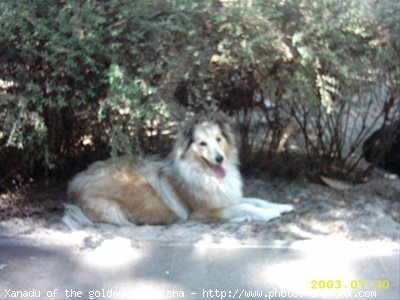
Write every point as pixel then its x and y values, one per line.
pixel 364 212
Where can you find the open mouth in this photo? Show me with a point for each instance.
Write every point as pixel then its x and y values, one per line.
pixel 217 169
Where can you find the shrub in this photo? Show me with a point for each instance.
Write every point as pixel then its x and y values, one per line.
pixel 322 67
pixel 81 79
pixel 58 66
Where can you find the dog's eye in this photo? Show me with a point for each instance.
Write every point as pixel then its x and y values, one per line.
pixel 219 139
pixel 203 144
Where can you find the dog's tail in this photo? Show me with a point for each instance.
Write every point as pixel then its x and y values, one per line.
pixel 74 217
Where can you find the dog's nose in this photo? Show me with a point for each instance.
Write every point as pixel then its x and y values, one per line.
pixel 219 158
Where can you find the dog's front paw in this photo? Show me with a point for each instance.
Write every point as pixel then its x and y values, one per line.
pixel 285 208
pixel 264 204
pixel 246 212
pixel 255 210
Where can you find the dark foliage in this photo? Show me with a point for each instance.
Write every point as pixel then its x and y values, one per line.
pixel 80 80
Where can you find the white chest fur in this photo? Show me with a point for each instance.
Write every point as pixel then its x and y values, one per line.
pixel 206 190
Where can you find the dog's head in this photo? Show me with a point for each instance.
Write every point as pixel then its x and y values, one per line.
pixel 208 140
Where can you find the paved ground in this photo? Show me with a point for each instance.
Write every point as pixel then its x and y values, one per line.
pixel 304 253
pixel 119 268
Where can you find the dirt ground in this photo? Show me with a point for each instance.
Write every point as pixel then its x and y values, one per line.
pixel 369 211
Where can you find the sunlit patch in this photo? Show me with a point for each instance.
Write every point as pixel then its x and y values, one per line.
pixel 87 140
pixel 150 289
pixel 5 84
pixel 117 252
pixel 321 259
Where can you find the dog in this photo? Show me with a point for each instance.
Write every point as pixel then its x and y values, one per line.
pixel 382 148
pixel 199 179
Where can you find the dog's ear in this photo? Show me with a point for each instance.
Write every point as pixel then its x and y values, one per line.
pixel 186 135
pixel 226 129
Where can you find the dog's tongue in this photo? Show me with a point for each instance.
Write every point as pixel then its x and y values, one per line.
pixel 219 171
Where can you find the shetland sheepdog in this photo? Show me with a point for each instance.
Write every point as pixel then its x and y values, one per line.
pixel 199 179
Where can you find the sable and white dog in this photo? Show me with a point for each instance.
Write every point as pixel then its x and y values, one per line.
pixel 198 180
